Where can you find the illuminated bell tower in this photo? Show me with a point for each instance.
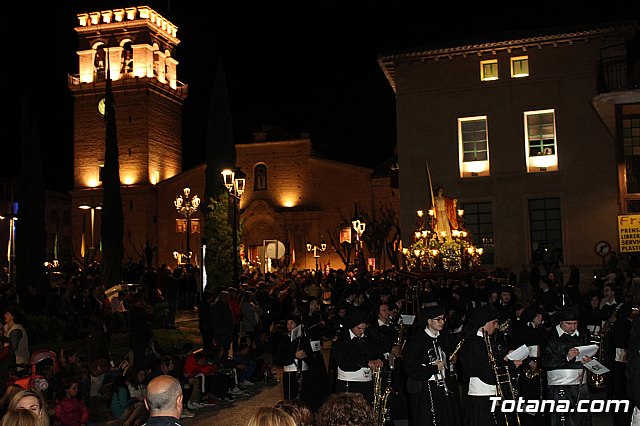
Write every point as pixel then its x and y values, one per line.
pixel 134 47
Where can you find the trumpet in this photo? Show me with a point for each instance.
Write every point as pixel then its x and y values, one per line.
pixel 435 355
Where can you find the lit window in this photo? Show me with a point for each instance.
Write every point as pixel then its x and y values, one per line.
pixel 489 70
pixel 540 141
pixel 520 66
pixel 473 146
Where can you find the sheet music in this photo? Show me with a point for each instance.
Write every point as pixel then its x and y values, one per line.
pixel 595 367
pixel 587 350
pixel 519 354
pixel 408 319
pixel 296 332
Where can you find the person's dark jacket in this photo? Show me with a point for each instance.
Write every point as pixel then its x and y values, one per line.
pixel 220 316
pixel 139 324
pixel 171 284
pixel 633 365
pixel 162 421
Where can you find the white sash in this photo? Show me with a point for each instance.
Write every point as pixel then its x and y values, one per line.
pixel 292 368
pixel 565 376
pixel 479 388
pixel 362 375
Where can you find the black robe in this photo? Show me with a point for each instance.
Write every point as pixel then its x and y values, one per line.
pixel 430 403
pixel 532 388
pixel 554 357
pixel 317 374
pixel 475 363
pixel 352 354
pixel 386 336
pixel 295 385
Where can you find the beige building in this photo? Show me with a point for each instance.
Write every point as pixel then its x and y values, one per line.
pixel 292 195
pixel 537 135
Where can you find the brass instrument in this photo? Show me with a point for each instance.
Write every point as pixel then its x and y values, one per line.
pixel 380 398
pixel 505 325
pixel 400 341
pixel 597 381
pixel 436 354
pixel 502 378
pixel 531 372
pixel 452 357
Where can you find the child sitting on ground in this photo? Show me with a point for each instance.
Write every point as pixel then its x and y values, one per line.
pixel 203 376
pixel 123 407
pixel 244 365
pixel 71 410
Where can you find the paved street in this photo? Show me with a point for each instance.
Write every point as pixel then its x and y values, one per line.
pixel 241 411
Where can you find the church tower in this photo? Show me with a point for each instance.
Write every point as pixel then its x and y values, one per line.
pixel 134 47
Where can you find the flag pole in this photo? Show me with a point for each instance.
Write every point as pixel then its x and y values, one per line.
pixel 433 201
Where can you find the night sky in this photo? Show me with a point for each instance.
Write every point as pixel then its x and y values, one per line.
pixel 303 66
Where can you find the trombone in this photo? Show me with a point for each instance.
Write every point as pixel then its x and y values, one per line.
pixel 502 378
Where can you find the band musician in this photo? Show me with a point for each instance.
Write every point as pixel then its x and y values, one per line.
pixel 566 376
pixel 390 339
pixel 434 394
pixel 356 357
pixel 293 355
pixel 530 380
pixel 488 373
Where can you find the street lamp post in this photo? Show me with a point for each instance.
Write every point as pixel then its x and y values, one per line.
pixel 187 206
pixel 234 182
pixel 11 254
pixel 93 221
pixel 315 249
pixel 359 226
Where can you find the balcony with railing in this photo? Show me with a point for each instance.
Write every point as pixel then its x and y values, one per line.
pixel 181 89
pixel 619 73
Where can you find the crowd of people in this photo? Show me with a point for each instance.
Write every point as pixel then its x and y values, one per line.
pixel 402 349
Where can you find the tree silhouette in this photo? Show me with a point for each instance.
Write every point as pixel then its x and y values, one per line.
pixel 31 237
pixel 112 227
pixel 221 154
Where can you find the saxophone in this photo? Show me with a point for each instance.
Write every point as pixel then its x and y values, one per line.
pixel 400 341
pixel 453 356
pixel 597 381
pixel 380 399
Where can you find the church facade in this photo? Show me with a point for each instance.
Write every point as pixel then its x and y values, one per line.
pixel 292 195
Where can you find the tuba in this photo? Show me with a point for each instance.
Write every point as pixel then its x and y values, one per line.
pixel 504 387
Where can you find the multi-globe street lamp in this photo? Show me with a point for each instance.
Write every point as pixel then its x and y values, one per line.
pixel 187 206
pixel 314 248
pixel 234 181
pixel 359 226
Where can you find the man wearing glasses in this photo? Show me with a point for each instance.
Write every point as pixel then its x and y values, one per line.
pixel 434 392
